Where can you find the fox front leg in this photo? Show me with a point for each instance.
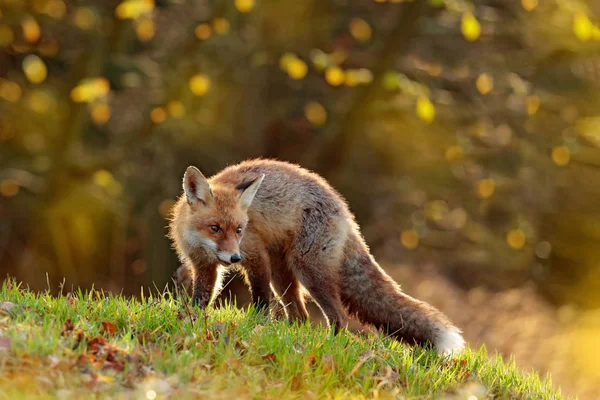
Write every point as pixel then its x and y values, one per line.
pixel 205 281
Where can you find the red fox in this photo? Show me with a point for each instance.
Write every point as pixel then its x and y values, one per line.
pixel 294 234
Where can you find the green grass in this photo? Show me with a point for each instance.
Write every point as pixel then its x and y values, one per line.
pixel 151 348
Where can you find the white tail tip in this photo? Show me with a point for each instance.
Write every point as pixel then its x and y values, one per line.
pixel 449 341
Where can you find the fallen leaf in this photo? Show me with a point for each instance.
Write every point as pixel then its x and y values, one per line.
pixel 258 328
pixel 7 306
pixel 109 328
pixel 68 328
pixel 361 360
pixel 5 343
pixel 312 360
pixel 328 362
pixel 296 382
pixel 106 379
pixel 269 356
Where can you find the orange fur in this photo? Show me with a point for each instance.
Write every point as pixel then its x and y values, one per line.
pixel 297 235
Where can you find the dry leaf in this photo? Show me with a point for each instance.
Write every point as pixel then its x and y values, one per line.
pixel 68 328
pixel 4 343
pixel 328 362
pixel 109 328
pixel 7 306
pixel 269 356
pixel 296 382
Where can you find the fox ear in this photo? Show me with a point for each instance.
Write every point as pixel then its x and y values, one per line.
pixel 249 191
pixel 196 186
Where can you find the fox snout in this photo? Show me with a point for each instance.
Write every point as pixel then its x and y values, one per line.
pixel 228 258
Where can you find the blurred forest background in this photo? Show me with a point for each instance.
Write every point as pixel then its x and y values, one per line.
pixel 464 134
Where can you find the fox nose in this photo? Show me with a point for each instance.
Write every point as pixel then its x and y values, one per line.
pixel 236 258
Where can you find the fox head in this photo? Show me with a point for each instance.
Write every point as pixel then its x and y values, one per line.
pixel 217 216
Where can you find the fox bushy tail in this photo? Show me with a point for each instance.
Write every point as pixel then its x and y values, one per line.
pixel 374 298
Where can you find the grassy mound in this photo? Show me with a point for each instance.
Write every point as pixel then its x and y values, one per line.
pixel 95 345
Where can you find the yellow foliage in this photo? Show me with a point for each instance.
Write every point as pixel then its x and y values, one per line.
pixel 425 109
pixel 35 69
pixel 470 27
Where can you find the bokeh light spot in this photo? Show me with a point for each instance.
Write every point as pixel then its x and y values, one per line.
pixel 203 31
pixel 85 18
pixel 315 113
pixel 10 91
pixel 31 29
pixel 582 27
pixel 100 113
pixel 220 25
pixel 244 6
pixel 486 188
pixel 529 5
pixel 199 84
pixel 35 69
pixel 158 115
pixel 484 84
pixel 454 153
pixel 90 89
pixel 425 109
pixel 297 69
pixel 470 27
pixel 145 29
pixel 516 239
pixel 132 9
pixel 409 239
pixel 360 29
pixel 533 104
pixel 9 188
pixel 176 109
pixel 561 155
pixel 335 76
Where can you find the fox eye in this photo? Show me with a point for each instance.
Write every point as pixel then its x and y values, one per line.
pixel 215 228
pixel 239 230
